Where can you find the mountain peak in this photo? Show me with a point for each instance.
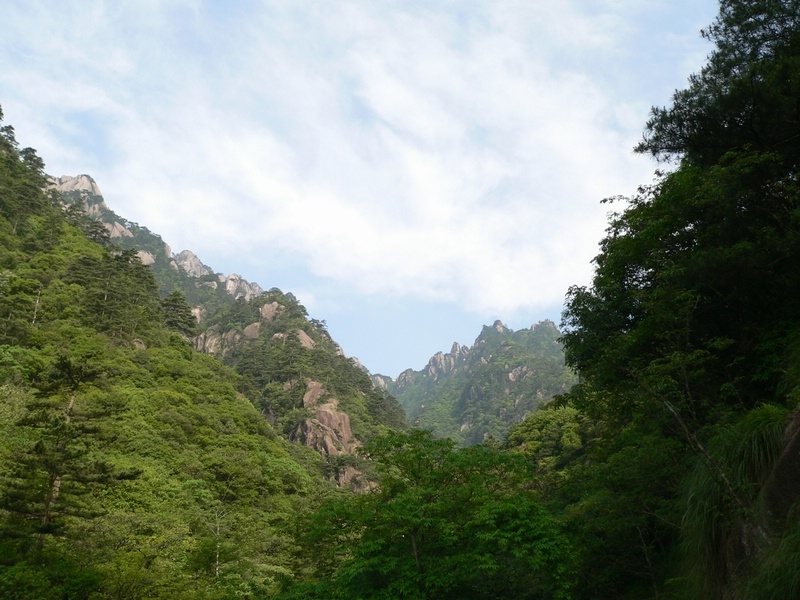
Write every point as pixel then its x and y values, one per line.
pixel 191 264
pixel 79 183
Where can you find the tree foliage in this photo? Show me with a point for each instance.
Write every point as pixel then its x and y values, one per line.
pixel 686 339
pixel 441 523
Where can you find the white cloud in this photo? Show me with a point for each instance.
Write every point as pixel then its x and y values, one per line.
pixel 419 150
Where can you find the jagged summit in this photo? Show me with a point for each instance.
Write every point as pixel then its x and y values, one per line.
pixel 152 250
pixel 473 392
pixel 78 183
pixel 191 265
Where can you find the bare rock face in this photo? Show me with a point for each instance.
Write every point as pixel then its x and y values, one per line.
pixel 442 364
pixel 89 192
pixel 305 340
pixel 240 288
pixel 213 342
pixel 190 264
pixel 117 230
pixel 146 257
pixel 252 330
pixel 81 183
pixel 208 342
pixel 268 311
pixel 302 337
pixel 381 382
pixel 406 379
pixel 328 431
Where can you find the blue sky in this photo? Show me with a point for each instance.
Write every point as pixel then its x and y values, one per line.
pixel 410 170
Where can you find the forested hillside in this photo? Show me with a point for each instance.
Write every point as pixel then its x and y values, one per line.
pixel 672 462
pixel 132 465
pixel 293 371
pixel 472 394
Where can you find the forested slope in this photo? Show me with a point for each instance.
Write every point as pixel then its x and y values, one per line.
pixel 131 466
pixel 671 461
pixel 475 393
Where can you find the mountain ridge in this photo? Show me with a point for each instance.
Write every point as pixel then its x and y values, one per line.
pixel 84 189
pixel 472 393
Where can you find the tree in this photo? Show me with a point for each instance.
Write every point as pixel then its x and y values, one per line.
pixel 690 324
pixel 746 94
pixel 695 293
pixel 442 523
pixel 178 314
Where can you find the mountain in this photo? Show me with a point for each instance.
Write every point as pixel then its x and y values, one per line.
pixel 295 373
pixel 471 393
pixel 131 465
pixel 202 286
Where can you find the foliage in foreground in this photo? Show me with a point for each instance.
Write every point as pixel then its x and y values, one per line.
pixel 441 523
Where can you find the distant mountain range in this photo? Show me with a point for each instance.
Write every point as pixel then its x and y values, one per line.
pixel 472 393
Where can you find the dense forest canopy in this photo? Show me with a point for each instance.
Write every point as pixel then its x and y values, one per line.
pixel 689 331
pixel 133 465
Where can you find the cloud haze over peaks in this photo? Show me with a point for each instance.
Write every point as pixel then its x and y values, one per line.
pixel 442 152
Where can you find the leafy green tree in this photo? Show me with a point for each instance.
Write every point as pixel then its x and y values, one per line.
pixel 694 290
pixel 441 523
pixel 178 314
pixel 745 97
pixel 690 326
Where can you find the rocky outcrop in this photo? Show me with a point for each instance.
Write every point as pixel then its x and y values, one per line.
pixel 269 311
pixel 328 431
pixel 213 342
pixel 381 382
pixel 82 183
pixel 518 373
pixel 190 264
pixel 240 288
pixel 82 189
pixel 117 230
pixel 302 337
pixel 146 257
pixel 305 340
pixel 252 330
pixel 441 364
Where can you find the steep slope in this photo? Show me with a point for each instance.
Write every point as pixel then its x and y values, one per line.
pixel 131 465
pixel 295 373
pixel 183 271
pixel 474 392
pixel 300 379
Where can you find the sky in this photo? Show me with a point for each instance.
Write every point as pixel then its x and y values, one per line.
pixel 409 170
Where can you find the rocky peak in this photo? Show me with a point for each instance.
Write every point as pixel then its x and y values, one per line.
pixel 191 265
pixel 547 324
pixel 240 288
pixel 406 379
pixel 86 190
pixel 81 183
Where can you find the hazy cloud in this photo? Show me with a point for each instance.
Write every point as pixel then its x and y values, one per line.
pixel 440 150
